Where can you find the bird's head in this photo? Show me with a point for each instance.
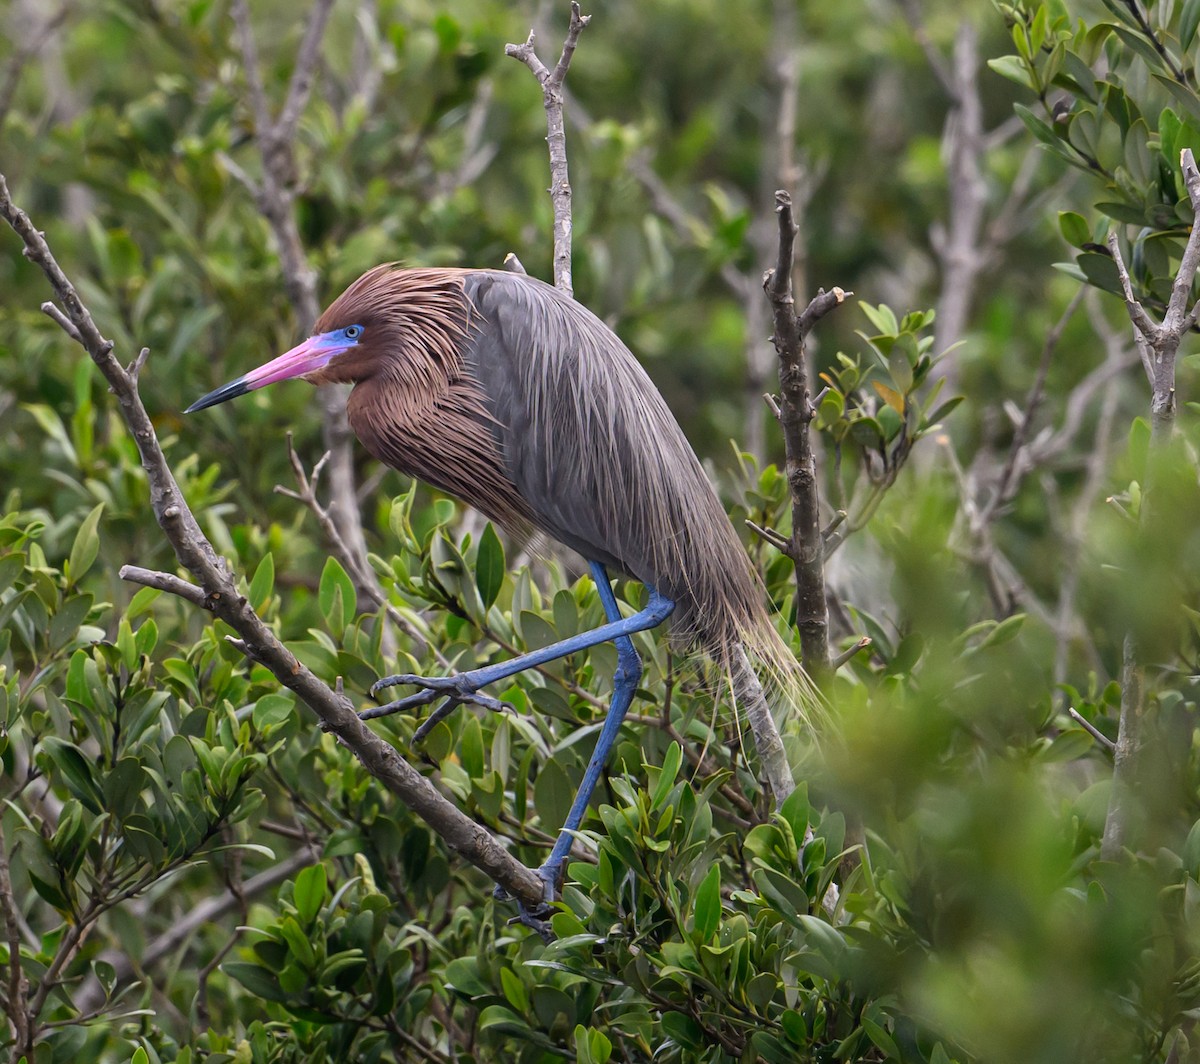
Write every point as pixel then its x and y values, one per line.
pixel 386 315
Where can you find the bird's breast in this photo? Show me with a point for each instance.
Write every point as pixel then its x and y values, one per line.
pixel 445 438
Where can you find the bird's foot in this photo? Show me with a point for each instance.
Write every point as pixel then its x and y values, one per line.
pixel 456 690
pixel 537 917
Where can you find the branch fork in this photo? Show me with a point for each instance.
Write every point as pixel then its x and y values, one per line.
pixel 556 136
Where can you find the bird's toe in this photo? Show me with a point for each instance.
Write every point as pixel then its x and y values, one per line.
pixel 393 681
pixel 421 698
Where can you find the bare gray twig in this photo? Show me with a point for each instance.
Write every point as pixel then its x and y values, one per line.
pixel 1091 729
pixel 208 911
pixel 556 137
pixel 795 417
pixel 1158 344
pixel 167 582
pixel 26 51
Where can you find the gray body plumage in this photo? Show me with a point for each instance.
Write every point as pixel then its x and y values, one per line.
pixel 593 449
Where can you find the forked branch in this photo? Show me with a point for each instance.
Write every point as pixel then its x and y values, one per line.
pixel 1158 344
pixel 796 412
pixel 556 137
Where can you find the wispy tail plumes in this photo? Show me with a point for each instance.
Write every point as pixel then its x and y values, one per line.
pixel 788 689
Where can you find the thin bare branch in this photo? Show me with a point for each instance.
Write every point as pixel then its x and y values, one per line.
pixel 556 137
pixel 1091 729
pixel 796 414
pixel 841 659
pixel 820 305
pixel 300 86
pixel 1159 348
pixel 1146 326
pixel 777 540
pixel 207 912
pixel 275 196
pixel 62 321
pixel 167 582
pixel 1013 469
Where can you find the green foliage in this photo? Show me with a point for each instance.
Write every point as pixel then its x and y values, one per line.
pixel 1118 101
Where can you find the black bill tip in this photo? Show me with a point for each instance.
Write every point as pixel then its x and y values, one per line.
pixel 227 391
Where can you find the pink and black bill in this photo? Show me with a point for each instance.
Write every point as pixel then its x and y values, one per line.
pixel 301 361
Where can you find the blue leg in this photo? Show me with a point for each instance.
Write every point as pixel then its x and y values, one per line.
pixel 465 686
pixel 625 682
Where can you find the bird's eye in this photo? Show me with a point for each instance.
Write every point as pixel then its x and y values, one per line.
pixel 352 332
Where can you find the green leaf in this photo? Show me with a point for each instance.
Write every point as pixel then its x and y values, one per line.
pixel 260 982
pixel 462 974
pixel 86 545
pixel 489 566
pixel 552 794
pixel 263 582
pixel 1100 270
pixel 1191 851
pixel 794 1027
pixel 273 709
pixel 881 1038
pixel 795 810
pixel 1139 446
pixel 309 892
pixel 591 1046
pixel 471 748
pixel 1036 126
pixel 502 1019
pixel 76 770
pixel 514 989
pixel 666 775
pixel 882 318
pixel 1069 745
pixel 336 596
pixel 1014 68
pixel 1074 228
pixel 707 909
pixel 1004 632
pixel 11 566
pixel 683 1029
pixel 1189 19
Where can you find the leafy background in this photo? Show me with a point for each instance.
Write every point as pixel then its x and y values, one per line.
pixel 203 875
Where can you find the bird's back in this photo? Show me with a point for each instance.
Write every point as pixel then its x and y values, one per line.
pixel 599 460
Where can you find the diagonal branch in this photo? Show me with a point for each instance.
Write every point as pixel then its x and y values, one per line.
pixel 197 555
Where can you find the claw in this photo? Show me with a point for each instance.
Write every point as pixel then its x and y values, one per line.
pixel 433 683
pixel 457 690
pixel 536 917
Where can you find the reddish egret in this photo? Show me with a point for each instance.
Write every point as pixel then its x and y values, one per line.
pixel 506 393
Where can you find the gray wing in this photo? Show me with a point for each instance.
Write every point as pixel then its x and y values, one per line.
pixel 595 452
